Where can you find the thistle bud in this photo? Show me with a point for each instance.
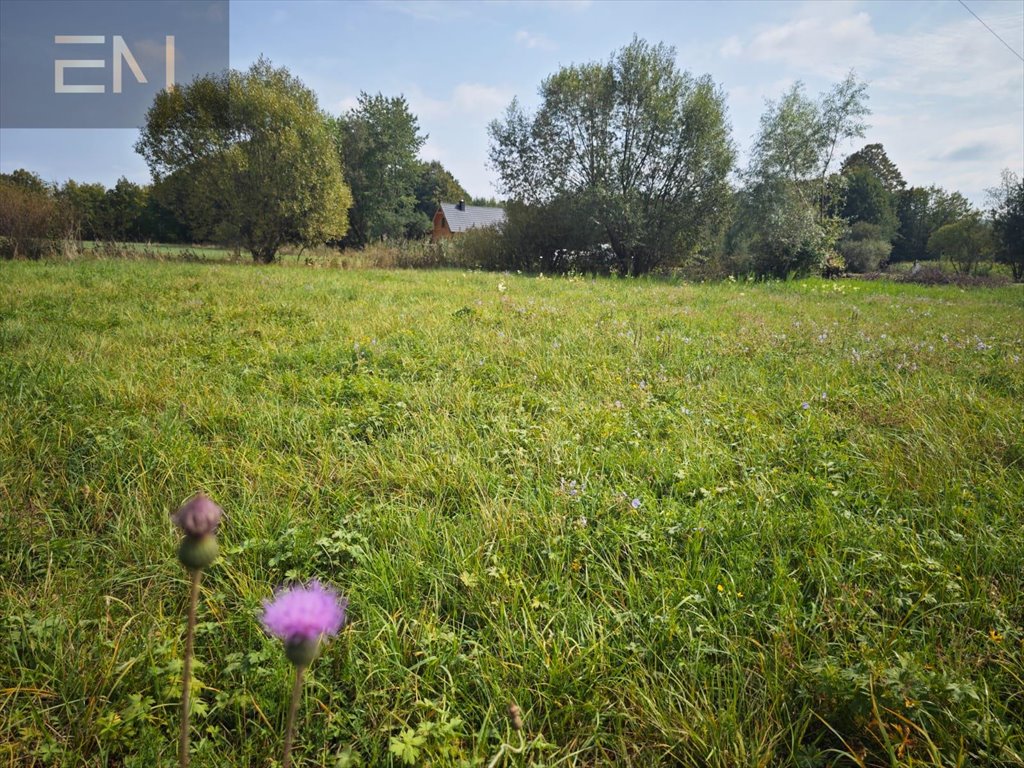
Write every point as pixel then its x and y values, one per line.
pixel 198 552
pixel 198 516
pixel 515 716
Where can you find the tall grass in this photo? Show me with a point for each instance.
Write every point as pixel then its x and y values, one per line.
pixel 824 565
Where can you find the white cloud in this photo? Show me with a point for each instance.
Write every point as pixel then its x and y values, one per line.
pixel 731 48
pixel 465 100
pixel 531 40
pixel 948 97
pixel 476 98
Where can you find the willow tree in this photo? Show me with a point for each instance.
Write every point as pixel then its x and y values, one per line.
pixel 789 189
pixel 643 148
pixel 246 159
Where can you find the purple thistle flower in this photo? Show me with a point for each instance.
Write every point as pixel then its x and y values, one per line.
pixel 198 516
pixel 303 613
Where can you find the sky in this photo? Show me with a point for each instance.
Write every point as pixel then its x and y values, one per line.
pixel 947 97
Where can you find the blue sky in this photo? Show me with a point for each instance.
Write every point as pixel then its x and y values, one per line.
pixel 947 97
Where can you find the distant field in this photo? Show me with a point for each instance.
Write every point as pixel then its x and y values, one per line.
pixel 724 525
pixel 165 250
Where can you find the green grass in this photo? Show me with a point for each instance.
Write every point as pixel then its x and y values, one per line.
pixel 458 454
pixel 158 251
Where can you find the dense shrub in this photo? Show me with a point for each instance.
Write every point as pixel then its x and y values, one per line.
pixel 864 248
pixel 964 243
pixel 31 222
pixel 476 249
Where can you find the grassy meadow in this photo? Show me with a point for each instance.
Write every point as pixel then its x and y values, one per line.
pixel 696 525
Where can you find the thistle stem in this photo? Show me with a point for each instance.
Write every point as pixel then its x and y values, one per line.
pixel 186 674
pixel 292 709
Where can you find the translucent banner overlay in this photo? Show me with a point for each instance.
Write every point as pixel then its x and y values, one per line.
pixel 99 64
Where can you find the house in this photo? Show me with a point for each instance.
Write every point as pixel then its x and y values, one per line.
pixel 455 218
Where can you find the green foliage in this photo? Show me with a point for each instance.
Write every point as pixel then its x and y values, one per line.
pixel 864 248
pixel 122 212
pixel 378 142
pixel 921 212
pixel 28 181
pixel 554 238
pixel 1007 213
pixel 436 185
pixel 867 201
pixel 86 203
pixel 873 158
pixel 786 225
pixel 32 220
pixel 643 148
pixel 246 159
pixel 964 242
pixel 914 228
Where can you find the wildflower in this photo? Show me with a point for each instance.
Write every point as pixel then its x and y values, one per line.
pixel 502 287
pixel 805 405
pixel 301 616
pixel 995 636
pixel 635 503
pixel 721 589
pixel 198 519
pixel 198 516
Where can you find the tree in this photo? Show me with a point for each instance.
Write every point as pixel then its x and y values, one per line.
pixel 247 160
pixel 121 213
pixel 920 212
pixel 378 141
pixel 789 187
pixel 1007 213
pixel 434 185
pixel 867 200
pixel 27 180
pixel 874 159
pixel 914 227
pixel 964 242
pixel 642 148
pixel 85 202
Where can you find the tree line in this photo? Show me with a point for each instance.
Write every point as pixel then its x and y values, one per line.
pixel 627 166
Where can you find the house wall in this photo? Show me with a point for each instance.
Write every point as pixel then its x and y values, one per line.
pixel 440 227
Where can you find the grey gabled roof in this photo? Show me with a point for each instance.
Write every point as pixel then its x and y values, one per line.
pixel 473 216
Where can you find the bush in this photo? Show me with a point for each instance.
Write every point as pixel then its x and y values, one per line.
pixel 477 249
pixel 557 237
pixel 864 248
pixel 31 222
pixel 964 243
